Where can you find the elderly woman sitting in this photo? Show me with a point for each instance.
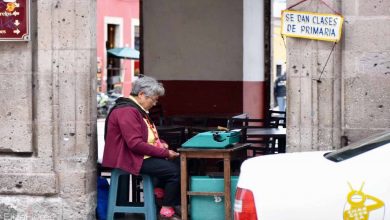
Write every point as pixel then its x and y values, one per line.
pixel 133 145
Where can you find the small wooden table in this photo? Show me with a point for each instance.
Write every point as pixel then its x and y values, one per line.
pixel 279 133
pixel 267 132
pixel 236 151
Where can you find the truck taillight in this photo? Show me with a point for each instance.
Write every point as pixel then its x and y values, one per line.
pixel 244 205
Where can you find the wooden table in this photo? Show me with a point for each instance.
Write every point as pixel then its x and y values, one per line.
pixel 279 133
pixel 236 151
pixel 273 132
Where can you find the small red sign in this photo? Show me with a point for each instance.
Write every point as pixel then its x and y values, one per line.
pixel 14 20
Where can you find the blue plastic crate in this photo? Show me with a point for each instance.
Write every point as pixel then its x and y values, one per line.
pixel 209 207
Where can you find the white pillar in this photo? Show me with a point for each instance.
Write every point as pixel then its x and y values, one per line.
pixel 253 64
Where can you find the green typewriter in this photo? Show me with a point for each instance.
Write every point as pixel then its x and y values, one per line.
pixel 213 139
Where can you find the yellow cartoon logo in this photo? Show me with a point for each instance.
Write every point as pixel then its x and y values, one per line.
pixel 360 205
pixel 10 7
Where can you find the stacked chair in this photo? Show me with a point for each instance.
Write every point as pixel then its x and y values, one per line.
pixel 277 118
pixel 261 145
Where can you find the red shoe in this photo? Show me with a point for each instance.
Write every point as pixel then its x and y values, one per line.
pixel 168 213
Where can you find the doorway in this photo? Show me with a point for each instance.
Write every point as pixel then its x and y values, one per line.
pixel 278 81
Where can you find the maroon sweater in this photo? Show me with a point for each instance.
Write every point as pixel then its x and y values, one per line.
pixel 126 141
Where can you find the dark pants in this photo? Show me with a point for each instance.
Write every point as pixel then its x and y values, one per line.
pixel 168 174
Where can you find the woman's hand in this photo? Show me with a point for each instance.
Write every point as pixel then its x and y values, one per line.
pixel 173 154
pixel 165 145
pixel 159 143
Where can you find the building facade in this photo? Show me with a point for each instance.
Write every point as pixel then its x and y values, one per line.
pixel 117 27
pixel 210 55
pixel 207 52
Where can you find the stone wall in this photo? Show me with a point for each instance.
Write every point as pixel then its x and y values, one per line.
pixel 350 101
pixel 366 68
pixel 47 135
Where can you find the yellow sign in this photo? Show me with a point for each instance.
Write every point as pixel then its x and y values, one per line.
pixel 312 25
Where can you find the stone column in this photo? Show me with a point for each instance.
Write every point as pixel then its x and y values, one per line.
pixel 351 102
pixel 366 68
pixel 48 131
pixel 314 101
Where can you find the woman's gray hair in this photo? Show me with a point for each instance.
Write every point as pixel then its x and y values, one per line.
pixel 148 85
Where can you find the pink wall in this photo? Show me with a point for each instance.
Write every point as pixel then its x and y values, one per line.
pixel 128 10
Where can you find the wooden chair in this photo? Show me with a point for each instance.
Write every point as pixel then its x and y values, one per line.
pixel 259 145
pixel 192 131
pixel 175 136
pixel 186 121
pixel 156 113
pixel 277 118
